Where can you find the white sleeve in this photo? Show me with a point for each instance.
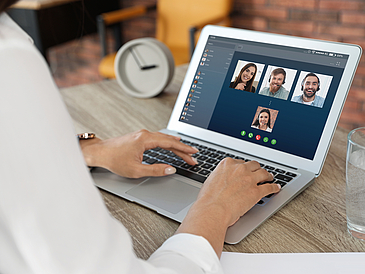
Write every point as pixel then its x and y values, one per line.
pixel 52 218
pixel 198 254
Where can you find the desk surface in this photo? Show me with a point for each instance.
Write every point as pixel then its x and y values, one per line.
pixel 315 221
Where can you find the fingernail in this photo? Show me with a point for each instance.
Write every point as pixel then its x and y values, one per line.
pixel 170 170
pixel 195 149
pixel 195 160
pixel 279 186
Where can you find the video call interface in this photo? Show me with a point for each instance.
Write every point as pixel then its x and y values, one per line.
pixel 270 95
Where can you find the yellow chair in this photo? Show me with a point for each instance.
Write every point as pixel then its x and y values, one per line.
pixel 178 25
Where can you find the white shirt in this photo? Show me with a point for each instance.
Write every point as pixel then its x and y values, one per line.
pixel 52 218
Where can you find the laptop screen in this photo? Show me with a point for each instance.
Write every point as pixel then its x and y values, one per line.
pixel 271 95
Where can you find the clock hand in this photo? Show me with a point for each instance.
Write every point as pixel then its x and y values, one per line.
pixel 149 67
pixel 139 64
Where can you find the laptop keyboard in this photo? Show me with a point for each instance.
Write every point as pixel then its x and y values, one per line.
pixel 208 158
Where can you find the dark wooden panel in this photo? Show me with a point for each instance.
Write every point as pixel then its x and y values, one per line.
pixel 58 24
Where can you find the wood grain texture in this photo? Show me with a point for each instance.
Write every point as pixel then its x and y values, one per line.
pixel 315 221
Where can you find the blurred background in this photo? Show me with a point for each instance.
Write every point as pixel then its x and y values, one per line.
pixel 76 62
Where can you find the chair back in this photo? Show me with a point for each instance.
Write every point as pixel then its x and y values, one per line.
pixel 175 18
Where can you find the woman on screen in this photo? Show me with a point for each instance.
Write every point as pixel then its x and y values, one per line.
pixel 263 120
pixel 245 78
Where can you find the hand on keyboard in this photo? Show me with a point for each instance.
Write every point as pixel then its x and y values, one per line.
pixel 235 185
pixel 228 193
pixel 123 155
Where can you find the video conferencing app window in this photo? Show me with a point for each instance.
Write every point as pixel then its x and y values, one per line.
pixel 295 127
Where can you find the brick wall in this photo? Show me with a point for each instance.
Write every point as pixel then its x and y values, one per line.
pixel 335 20
pixel 139 27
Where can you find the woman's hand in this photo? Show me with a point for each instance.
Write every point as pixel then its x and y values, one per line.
pixel 233 186
pixel 228 193
pixel 123 155
pixel 241 86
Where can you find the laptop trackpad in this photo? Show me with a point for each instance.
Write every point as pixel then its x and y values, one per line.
pixel 169 194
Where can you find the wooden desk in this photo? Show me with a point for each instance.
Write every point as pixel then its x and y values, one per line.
pixel 315 221
pixel 52 22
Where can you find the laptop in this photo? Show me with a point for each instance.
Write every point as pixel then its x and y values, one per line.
pixel 284 116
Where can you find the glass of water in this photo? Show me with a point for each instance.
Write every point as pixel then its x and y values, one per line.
pixel 355 183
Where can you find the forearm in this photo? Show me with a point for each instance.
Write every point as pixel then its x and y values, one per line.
pixel 92 151
pixel 209 221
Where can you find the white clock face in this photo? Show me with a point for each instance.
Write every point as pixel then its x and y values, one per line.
pixel 143 67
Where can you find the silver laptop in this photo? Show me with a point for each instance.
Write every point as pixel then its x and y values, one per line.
pixel 255 96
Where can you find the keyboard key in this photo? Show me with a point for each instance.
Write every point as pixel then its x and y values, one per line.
pixel 200 163
pixel 270 195
pixel 186 166
pixel 156 149
pixel 281 183
pixel 153 154
pixel 291 174
pixel 267 182
pixel 169 160
pixel 283 178
pixel 195 168
pixel 204 172
pixel 280 170
pixel 191 175
pixel 202 158
pixel 211 149
pixel 211 161
pixel 214 155
pixel 269 168
pixel 206 166
pixel 260 202
pixel 177 163
pixel 145 158
pixel 151 161
pixel 161 157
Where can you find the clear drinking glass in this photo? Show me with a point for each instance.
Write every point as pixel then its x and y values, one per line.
pixel 355 183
